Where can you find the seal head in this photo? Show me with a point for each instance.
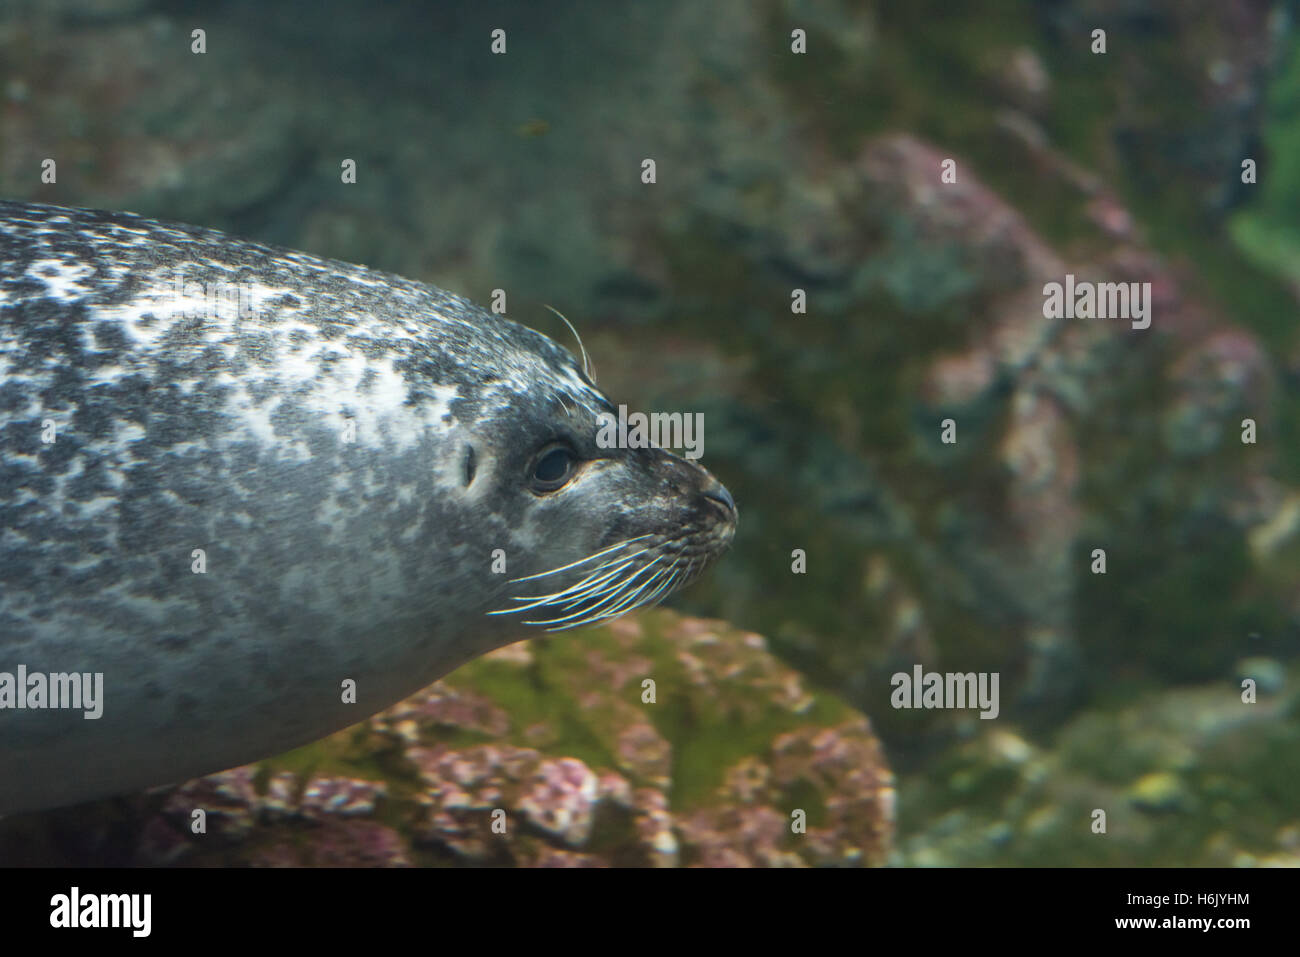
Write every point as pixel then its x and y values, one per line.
pixel 263 495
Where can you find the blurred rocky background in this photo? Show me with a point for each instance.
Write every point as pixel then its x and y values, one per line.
pixel 821 172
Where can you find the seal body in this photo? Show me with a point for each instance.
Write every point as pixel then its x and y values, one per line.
pixel 264 495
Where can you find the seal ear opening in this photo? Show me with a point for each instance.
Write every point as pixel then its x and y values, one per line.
pixel 471 465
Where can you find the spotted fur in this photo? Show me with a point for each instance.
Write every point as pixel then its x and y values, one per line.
pixel 346 447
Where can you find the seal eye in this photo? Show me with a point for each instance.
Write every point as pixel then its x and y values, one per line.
pixel 553 468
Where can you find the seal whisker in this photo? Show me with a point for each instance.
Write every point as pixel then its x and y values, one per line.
pixel 582 590
pixel 639 596
pixel 588 585
pixel 581 561
pixel 600 611
pixel 608 590
pixel 593 584
pixel 622 558
pixel 669 582
pixel 592 606
pixel 583 349
pixel 584 586
pixel 612 593
pixel 597 590
pixel 602 595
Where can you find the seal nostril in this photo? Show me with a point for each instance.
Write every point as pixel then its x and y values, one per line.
pixel 720 494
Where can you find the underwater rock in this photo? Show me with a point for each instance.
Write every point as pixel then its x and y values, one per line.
pixel 668 741
pixel 1192 777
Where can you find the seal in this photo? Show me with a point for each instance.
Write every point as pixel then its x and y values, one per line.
pixel 249 497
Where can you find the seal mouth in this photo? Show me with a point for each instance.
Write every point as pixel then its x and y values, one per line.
pixel 631 574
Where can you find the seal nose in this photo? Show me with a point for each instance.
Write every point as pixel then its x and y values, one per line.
pixel 718 493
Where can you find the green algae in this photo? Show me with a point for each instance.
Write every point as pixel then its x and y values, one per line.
pixel 1171 769
pixel 1268 231
pixel 533 697
pixel 345 754
pixel 707 734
